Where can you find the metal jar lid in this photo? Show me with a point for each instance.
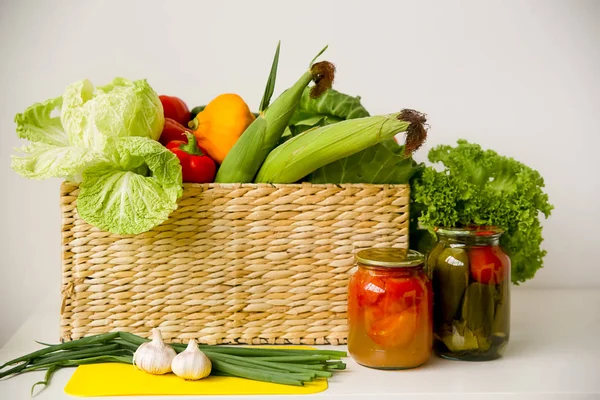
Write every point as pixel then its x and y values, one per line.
pixel 474 231
pixel 389 257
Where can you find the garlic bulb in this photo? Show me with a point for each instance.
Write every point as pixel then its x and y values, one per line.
pixel 191 363
pixel 154 357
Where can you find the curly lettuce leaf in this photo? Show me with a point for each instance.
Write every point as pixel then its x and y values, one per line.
pixel 481 187
pixel 134 192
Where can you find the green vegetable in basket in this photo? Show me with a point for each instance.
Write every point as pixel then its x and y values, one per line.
pixel 319 146
pixel 247 155
pixel 481 187
pixel 329 108
pixel 133 192
pixel 121 108
pixel 384 162
pixel 105 138
pixel 51 151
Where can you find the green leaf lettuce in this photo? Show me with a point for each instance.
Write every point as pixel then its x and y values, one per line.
pixel 481 187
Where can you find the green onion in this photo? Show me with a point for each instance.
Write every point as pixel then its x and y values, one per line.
pixel 117 358
pixel 294 359
pixel 102 338
pixel 15 370
pixel 126 345
pixel 252 363
pixel 75 354
pixel 336 365
pixel 266 352
pixel 131 338
pixel 281 365
pixel 255 374
pixel 47 378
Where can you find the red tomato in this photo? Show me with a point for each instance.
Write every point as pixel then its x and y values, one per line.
pixel 370 289
pixel 175 109
pixel 486 267
pixel 372 315
pixel 365 291
pixel 402 293
pixel 396 330
pixel 354 311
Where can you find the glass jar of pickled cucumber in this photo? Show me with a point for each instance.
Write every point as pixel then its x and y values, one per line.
pixel 390 306
pixel 471 278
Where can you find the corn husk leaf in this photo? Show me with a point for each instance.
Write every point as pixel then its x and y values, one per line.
pixel 270 87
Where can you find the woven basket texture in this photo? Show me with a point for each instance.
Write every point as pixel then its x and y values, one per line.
pixel 234 264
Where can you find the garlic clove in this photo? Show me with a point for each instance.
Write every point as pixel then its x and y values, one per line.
pixel 154 357
pixel 191 364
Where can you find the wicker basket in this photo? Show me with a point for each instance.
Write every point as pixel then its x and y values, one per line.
pixel 235 263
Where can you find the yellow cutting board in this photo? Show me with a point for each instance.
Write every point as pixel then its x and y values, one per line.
pixel 113 379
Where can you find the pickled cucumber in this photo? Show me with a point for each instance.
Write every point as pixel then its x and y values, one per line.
pixel 501 323
pixel 431 259
pixel 450 277
pixel 479 307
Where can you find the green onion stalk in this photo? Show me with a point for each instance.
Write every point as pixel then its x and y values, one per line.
pixel 276 365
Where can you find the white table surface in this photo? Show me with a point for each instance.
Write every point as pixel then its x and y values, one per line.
pixel 554 353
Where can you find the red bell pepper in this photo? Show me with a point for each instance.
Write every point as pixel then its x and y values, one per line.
pixel 196 166
pixel 175 109
pixel 172 130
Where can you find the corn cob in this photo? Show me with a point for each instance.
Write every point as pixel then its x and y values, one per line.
pixel 314 148
pixel 247 155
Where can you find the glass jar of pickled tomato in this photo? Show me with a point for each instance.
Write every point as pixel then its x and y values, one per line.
pixel 471 277
pixel 390 304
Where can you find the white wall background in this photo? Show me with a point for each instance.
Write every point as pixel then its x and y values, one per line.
pixel 521 77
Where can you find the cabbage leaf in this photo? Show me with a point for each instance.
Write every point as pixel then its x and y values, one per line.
pixel 104 137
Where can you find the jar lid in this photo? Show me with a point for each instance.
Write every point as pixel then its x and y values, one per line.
pixel 476 230
pixel 389 257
